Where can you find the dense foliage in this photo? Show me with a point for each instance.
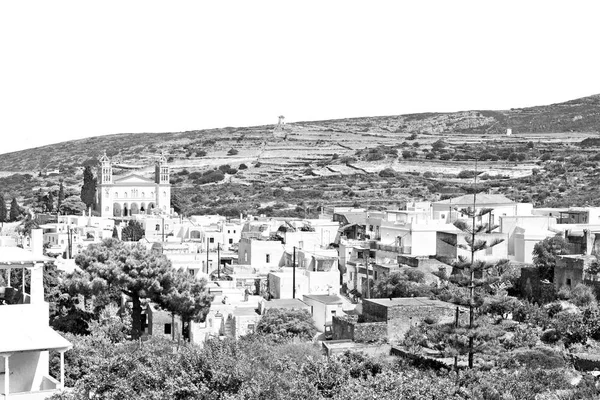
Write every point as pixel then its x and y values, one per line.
pixel 140 274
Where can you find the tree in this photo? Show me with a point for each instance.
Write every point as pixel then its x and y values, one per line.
pixel 3 212
pixel 284 324
pixel 15 210
pixel 189 299
pixel 410 283
pixel 115 233
pixel 132 232
pixel 471 274
pixel 61 196
pixel 27 224
pixel 545 255
pixel 88 190
pixel 49 200
pixel 72 206
pixel 136 272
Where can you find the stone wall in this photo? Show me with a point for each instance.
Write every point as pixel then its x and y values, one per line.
pixel 531 287
pixel 348 327
pixel 401 317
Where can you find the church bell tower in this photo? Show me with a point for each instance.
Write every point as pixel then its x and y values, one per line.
pixel 161 171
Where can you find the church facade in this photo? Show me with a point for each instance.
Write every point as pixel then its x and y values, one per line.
pixel 133 194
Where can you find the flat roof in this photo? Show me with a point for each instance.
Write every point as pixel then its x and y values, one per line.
pixel 284 303
pixel 324 298
pixel 411 301
pixel 245 312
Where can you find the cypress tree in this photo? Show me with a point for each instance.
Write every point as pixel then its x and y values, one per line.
pixel 50 202
pixel 61 196
pixel 3 213
pixel 15 210
pixel 88 190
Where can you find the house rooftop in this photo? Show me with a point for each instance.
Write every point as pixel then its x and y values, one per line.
pixel 245 312
pixel 411 301
pixel 284 303
pixel 482 199
pixel 324 298
pixel 15 256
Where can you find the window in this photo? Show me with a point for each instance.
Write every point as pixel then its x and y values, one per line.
pixel 167 329
pixel 211 240
pixel 157 227
pixel 370 227
pixel 332 312
pixel 568 282
pixel 230 241
pixel 228 231
pixel 268 258
pixel 234 231
pixel 251 328
pixel 245 256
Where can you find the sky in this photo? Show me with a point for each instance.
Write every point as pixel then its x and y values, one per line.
pixel 76 69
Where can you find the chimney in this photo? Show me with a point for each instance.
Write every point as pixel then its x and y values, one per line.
pixel 37 242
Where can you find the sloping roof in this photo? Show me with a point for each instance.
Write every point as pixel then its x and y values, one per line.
pixel 16 256
pixel 14 339
pixel 482 199
pixel 133 178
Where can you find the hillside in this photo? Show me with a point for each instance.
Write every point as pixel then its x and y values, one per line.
pixel 377 159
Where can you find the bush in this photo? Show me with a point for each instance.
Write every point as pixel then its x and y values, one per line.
pixel 550 336
pixel 232 152
pixel 201 153
pixel 243 166
pixel 387 173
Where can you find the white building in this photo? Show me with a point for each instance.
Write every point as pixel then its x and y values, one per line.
pixel 133 194
pixel 25 334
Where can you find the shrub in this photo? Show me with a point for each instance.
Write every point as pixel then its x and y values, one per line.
pixel 387 173
pixel 550 336
pixel 232 152
pixel 243 166
pixel 201 153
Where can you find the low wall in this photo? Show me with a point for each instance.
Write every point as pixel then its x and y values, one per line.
pixel 348 327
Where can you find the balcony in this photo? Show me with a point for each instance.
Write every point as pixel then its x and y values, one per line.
pixel 48 387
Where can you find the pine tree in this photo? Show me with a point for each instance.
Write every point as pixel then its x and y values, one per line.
pixel 88 190
pixel 15 210
pixel 61 196
pixel 470 276
pixel 3 212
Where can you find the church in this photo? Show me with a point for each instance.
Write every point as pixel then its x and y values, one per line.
pixel 133 194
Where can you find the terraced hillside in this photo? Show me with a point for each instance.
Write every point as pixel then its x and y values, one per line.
pixel 379 160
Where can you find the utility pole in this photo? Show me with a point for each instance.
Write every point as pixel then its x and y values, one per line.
pixel 219 260
pixel 294 274
pixel 368 290
pixel 207 253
